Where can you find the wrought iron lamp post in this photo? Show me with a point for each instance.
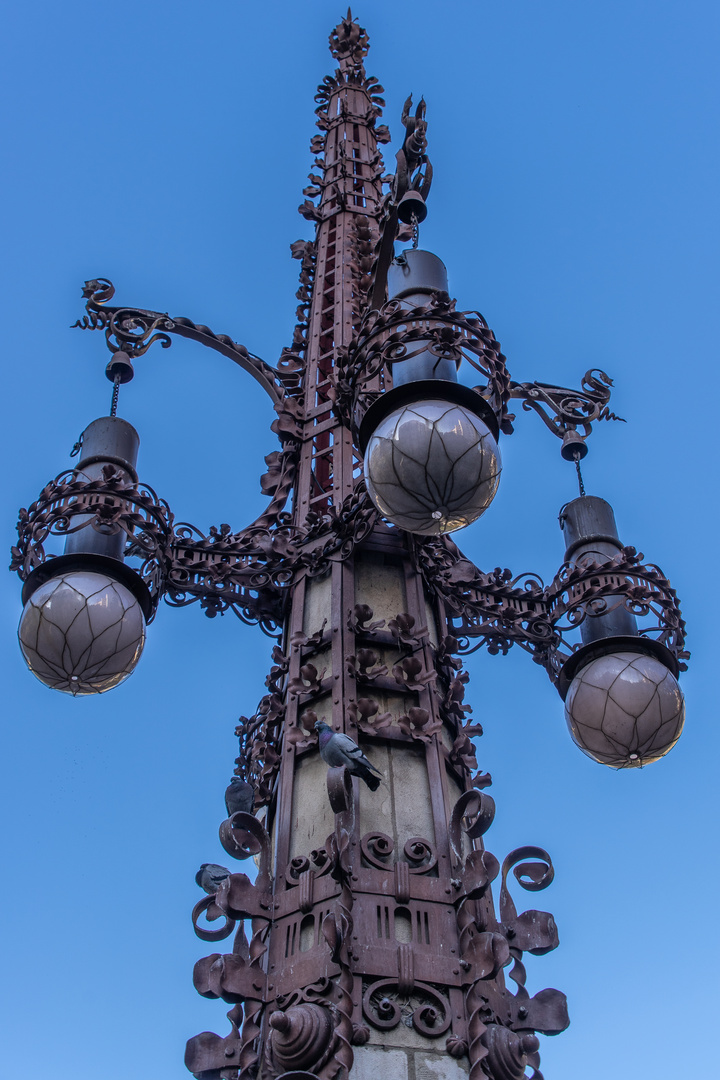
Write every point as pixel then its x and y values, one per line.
pixel 375 940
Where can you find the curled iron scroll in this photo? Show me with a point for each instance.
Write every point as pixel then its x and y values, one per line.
pixel 473 815
pixel 385 1007
pixel 376 848
pixel 204 906
pixel 420 854
pixel 531 876
pixel 244 837
pixel 340 792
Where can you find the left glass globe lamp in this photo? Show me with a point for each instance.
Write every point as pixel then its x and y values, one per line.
pixel 82 629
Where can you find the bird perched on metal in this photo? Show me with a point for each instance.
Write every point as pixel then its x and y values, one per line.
pixel 210 877
pixel 338 749
pixel 239 796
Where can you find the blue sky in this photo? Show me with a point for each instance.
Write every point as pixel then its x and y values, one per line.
pixel 575 204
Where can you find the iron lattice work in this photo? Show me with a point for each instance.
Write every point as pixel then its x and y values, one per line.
pixel 368 926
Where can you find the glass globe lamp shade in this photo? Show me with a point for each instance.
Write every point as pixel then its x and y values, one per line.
pixel 432 467
pixel 625 710
pixel 82 632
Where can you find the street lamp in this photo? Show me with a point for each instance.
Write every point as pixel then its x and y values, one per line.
pixel 372 920
pixel 431 458
pixel 82 629
pixel 623 705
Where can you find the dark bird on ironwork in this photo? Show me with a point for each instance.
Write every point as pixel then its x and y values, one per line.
pixel 338 749
pixel 210 877
pixel 239 796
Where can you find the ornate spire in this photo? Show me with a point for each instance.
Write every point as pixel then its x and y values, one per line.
pixel 349 41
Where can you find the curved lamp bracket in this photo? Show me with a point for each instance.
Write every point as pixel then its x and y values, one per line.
pixel 498 610
pixel 134 330
pixel 564 410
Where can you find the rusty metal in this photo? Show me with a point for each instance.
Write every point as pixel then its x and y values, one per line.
pixel 360 934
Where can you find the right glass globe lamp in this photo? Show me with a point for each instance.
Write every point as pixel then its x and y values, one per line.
pixel 623 705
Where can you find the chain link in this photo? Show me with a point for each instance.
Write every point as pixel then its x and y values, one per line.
pixel 581 485
pixel 415 231
pixel 115 395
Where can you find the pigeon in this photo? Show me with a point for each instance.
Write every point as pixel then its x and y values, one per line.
pixel 239 796
pixel 339 749
pixel 210 877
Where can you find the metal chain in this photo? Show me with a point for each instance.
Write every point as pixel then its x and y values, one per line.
pixel 415 231
pixel 115 394
pixel 581 485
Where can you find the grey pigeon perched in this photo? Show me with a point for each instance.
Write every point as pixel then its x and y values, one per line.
pixel 239 796
pixel 339 749
pixel 210 877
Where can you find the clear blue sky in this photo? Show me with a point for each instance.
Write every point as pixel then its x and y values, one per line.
pixel 165 145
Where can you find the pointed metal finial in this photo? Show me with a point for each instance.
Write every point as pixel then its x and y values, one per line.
pixel 349 41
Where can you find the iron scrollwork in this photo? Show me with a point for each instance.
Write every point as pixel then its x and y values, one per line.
pixel 386 1005
pixel 413 173
pixel 420 854
pixel 563 410
pixel 497 610
pixel 391 333
pixel 247 572
pixel 111 504
pixel 501 1024
pixel 133 330
pixel 443 885
pixel 238 977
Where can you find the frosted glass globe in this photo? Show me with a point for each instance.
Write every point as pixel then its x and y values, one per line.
pixel 432 467
pixel 82 632
pixel 625 710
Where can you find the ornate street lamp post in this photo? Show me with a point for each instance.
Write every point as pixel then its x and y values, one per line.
pixel 375 943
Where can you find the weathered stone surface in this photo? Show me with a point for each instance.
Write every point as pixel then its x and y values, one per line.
pixel 322 661
pixel 376 806
pixel 373 1063
pixel 317 604
pixel 395 704
pixel 411 794
pixel 312 816
pixel 401 1036
pixel 401 806
pixel 440 1067
pixel 380 585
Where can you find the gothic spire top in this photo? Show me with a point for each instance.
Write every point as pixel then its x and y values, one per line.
pixel 349 40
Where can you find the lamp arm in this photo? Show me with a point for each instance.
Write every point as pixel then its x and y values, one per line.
pixel 563 409
pixel 498 610
pixel 133 330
